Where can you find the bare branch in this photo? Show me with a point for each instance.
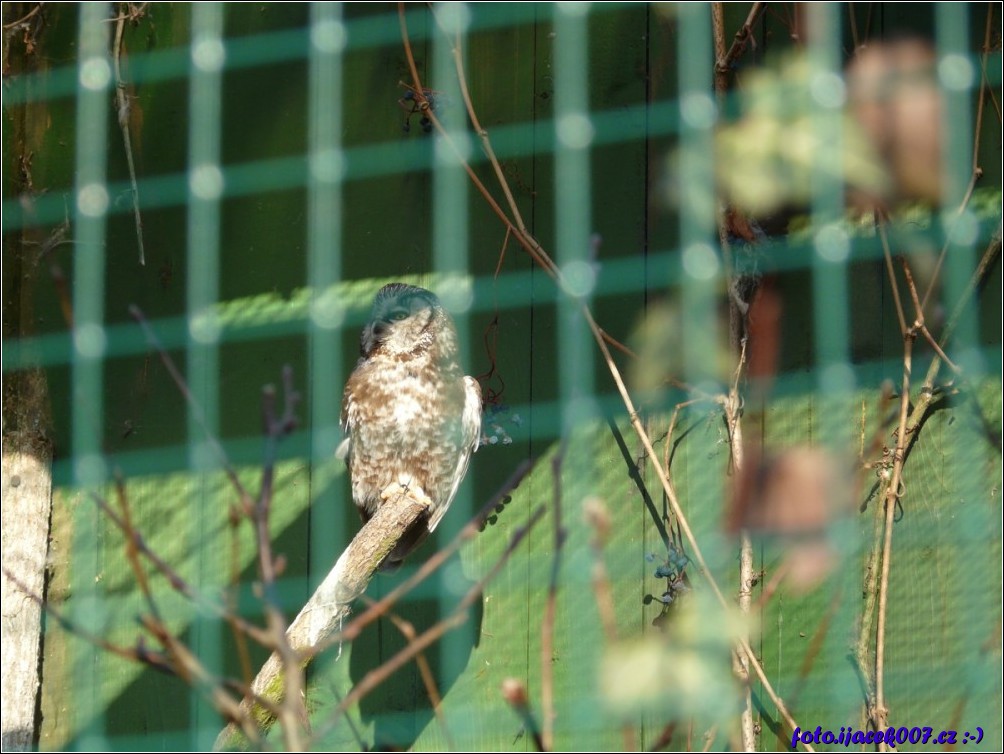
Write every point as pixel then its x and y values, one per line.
pixel 459 615
pixel 292 709
pixel 314 628
pixel 550 609
pixel 197 412
pixel 906 433
pixel 723 63
pixel 123 110
pixel 136 540
pixel 328 606
pixel 425 671
pixel 514 692
pixel 25 18
pixel 139 653
pixel 540 256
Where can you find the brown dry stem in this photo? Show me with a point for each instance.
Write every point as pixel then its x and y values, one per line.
pixel 123 108
pixel 909 422
pixel 326 610
pixel 540 256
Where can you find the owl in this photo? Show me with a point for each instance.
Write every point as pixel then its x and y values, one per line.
pixel 410 416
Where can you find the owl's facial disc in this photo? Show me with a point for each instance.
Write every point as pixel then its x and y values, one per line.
pixel 400 317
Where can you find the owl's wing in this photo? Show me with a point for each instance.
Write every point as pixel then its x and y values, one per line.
pixel 343 449
pixel 470 427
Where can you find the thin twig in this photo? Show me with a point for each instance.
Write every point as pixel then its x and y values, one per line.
pixel 175 579
pixel 313 629
pixel 156 660
pixel 514 226
pixel 230 596
pixel 990 257
pixel 527 241
pixel 514 692
pixel 853 23
pixel 428 637
pixel 182 661
pixel 541 257
pixel 175 660
pixel 737 338
pixel 25 18
pixel 132 13
pixel 900 313
pixel 197 412
pixel 292 710
pixel 975 169
pixel 550 608
pixel 943 254
pixel 598 519
pixel 984 87
pixel 195 674
pixel 458 60
pixel 868 20
pixel 723 64
pixel 425 671
pixel 123 109
pixel 133 550
pixel 919 324
pixel 618 345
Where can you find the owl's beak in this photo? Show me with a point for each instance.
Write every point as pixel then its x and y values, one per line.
pixel 366 340
pixel 371 336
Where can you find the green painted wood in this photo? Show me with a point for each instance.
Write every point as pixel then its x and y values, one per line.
pixel 947 561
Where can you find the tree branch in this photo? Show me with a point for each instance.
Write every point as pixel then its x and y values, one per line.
pixel 329 606
pixel 542 259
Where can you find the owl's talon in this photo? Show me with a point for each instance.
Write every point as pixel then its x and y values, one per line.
pixel 397 490
pixel 391 491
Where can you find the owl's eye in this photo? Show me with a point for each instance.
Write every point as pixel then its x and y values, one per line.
pixel 397 315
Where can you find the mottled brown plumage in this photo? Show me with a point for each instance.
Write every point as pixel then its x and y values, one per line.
pixel 411 417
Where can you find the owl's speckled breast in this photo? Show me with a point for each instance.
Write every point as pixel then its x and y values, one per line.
pixel 405 417
pixel 410 416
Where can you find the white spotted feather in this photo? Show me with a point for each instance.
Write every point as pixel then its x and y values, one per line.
pixel 409 414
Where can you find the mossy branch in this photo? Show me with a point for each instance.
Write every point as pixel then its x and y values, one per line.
pixel 327 608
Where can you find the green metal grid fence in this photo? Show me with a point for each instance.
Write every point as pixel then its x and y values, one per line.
pixel 277 192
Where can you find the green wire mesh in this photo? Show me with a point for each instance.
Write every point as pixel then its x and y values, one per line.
pixel 284 173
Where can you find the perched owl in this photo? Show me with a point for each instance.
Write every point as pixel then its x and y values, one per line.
pixel 411 417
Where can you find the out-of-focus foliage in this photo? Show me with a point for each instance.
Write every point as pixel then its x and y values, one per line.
pixel 794 498
pixel 893 95
pixel 684 671
pixel 659 341
pixel 775 153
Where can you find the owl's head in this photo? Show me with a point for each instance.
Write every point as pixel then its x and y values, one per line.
pixel 404 318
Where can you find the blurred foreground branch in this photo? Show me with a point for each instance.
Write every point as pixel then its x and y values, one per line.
pixel 517 229
pixel 326 610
